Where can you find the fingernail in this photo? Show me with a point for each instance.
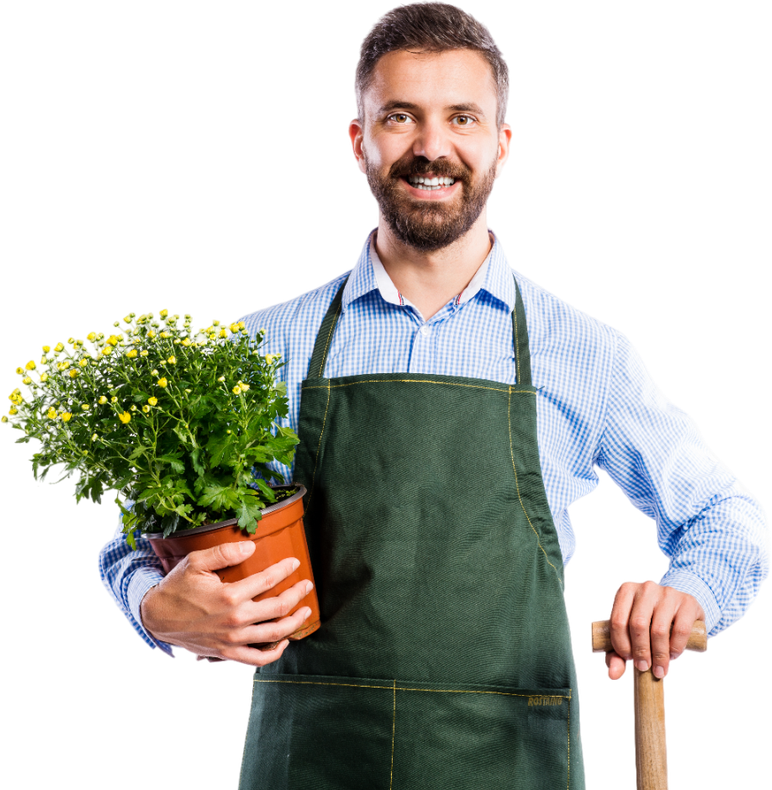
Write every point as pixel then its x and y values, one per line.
pixel 245 546
pixel 295 564
pixel 306 613
pixel 309 587
pixel 659 673
pixel 641 665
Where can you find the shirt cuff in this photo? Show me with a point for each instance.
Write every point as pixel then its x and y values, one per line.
pixel 691 583
pixel 141 582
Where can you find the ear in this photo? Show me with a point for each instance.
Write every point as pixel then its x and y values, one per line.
pixel 356 133
pixel 505 137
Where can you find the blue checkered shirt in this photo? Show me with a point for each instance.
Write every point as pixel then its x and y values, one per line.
pixel 596 406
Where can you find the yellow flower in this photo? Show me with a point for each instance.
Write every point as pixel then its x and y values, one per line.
pixel 102 400
pixel 153 372
pixel 66 416
pixel 43 360
pixel 164 313
pixel 13 410
pixel 133 407
pixel 143 353
pixel 151 334
pixel 58 348
pixel 44 377
pixel 162 382
pixel 146 409
pixel 112 340
pixel 26 380
pixel 215 323
pixel 85 406
pixel 74 374
pixel 153 401
pixel 236 390
pixel 172 360
pixel 269 358
pixel 107 350
pixel 46 349
pixel 127 319
pixel 234 327
pixel 3 418
pixel 165 334
pixel 222 378
pixel 94 437
pixel 186 342
pixel 244 387
pixel 83 362
pixel 242 325
pixel 15 397
pixel 222 333
pixel 125 417
pixel 113 399
pixel 20 371
pixel 131 353
pixel 31 365
pixel 51 413
pixel 91 336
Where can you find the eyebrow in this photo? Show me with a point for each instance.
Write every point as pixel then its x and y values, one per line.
pixel 406 105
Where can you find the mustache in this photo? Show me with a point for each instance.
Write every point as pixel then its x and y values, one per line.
pixel 420 166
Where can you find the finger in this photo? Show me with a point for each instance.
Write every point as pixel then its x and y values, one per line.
pixel 255 657
pixel 273 631
pixel 619 620
pixel 276 606
pixel 639 626
pixel 688 611
pixel 616 665
pixel 259 583
pixel 222 556
pixel 661 625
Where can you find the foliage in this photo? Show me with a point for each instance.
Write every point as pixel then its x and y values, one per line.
pixel 176 421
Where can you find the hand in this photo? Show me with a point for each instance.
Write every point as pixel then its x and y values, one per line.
pixel 650 624
pixel 194 609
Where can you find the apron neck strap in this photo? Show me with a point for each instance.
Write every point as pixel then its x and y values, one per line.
pixel 327 329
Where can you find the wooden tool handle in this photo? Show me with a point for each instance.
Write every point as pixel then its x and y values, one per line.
pixel 650 745
pixel 601 638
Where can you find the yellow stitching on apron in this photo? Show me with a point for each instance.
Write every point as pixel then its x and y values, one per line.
pixel 517 486
pixel 421 381
pixel 319 447
pixel 396 688
pixel 393 731
pixel 568 738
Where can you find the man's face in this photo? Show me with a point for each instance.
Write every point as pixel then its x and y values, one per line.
pixel 429 144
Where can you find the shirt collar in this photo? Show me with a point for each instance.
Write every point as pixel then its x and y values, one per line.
pixel 494 277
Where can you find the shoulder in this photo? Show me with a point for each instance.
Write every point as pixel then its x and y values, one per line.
pixel 557 327
pixel 295 321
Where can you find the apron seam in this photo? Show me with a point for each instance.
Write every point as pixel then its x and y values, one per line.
pixel 318 448
pixel 519 496
pixel 393 734
pixel 420 381
pixel 396 688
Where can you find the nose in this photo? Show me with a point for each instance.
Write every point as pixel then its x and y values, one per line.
pixel 431 141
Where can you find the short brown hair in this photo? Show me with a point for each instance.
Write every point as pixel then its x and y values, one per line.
pixel 430 27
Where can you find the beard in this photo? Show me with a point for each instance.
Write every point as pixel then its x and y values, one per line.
pixel 429 225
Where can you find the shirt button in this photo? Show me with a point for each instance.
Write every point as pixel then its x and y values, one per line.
pixel 425 331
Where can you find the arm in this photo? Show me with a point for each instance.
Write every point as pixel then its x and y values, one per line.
pixel 193 609
pixel 712 531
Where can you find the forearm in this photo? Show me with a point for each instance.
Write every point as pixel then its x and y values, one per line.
pixel 720 557
pixel 128 575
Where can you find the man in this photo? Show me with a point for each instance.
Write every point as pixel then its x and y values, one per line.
pixel 468 408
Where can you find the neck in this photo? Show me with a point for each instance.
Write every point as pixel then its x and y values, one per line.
pixel 431 279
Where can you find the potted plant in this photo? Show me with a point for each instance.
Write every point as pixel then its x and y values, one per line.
pixel 182 425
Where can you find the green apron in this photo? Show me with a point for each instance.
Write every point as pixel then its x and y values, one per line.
pixel 443 659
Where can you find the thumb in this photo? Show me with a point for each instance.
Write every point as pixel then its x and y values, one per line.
pixel 222 556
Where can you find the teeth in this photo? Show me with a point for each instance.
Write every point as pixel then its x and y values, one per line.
pixel 437 182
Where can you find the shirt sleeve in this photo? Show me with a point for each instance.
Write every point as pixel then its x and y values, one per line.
pixel 712 531
pixel 128 574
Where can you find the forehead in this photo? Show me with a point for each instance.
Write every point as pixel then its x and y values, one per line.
pixel 432 80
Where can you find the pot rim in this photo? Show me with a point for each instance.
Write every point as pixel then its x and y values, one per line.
pixel 301 492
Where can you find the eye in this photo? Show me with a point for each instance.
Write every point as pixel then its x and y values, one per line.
pixel 464 120
pixel 400 118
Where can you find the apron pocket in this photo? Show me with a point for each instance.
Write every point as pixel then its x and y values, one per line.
pixel 341 732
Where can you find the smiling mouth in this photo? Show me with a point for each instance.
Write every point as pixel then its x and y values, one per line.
pixel 430 183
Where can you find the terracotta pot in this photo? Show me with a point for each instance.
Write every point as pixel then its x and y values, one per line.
pixel 280 534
